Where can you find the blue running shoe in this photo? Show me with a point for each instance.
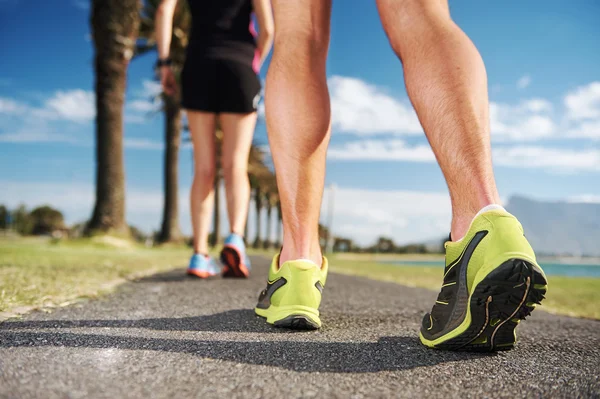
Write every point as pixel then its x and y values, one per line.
pixel 233 256
pixel 202 266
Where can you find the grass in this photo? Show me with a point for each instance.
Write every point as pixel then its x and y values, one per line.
pixel 572 296
pixel 37 273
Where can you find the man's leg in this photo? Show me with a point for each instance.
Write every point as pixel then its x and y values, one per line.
pixel 447 84
pixel 491 279
pixel 298 122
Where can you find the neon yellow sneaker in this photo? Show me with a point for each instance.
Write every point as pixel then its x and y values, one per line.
pixel 491 283
pixel 293 294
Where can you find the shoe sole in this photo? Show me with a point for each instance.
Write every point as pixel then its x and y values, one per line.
pixel 291 317
pixel 233 265
pixel 504 297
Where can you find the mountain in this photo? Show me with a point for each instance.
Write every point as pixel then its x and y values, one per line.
pixel 559 228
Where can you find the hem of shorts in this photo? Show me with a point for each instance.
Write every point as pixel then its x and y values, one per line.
pixel 243 60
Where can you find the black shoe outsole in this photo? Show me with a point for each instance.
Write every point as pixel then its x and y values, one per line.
pixel 297 322
pixel 499 302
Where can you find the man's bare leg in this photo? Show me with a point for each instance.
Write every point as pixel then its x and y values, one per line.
pixel 447 84
pixel 491 276
pixel 298 120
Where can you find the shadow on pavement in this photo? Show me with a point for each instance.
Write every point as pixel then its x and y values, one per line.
pixel 239 320
pixel 388 354
pixel 179 275
pixel 173 276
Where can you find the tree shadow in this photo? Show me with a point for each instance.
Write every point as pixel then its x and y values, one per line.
pixel 387 354
pixel 239 320
pixel 172 276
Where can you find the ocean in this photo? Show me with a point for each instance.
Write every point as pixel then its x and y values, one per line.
pixel 550 268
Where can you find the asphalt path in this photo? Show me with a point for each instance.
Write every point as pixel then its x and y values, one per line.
pixel 172 336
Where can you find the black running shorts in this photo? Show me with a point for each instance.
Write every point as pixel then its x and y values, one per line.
pixel 219 85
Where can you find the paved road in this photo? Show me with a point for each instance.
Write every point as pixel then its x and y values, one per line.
pixel 170 336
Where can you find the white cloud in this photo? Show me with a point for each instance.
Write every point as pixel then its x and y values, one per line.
pixel 143 106
pixel 523 82
pixel 150 89
pixel 537 105
pixel 584 102
pixel 364 109
pixel 361 108
pixel 39 136
pixel 381 150
pixel 585 199
pixel 554 159
pixel 586 129
pixel 406 216
pixel 558 159
pixel 527 121
pixel 146 102
pixel 133 118
pixel 72 105
pixel 11 107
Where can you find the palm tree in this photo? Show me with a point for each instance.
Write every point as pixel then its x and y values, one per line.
pixel 170 230
pixel 267 240
pixel 271 200
pixel 115 26
pixel 279 223
pixel 258 203
pixel 260 182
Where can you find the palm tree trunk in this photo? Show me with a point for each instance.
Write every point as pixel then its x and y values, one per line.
pixel 246 224
pixel 115 25
pixel 279 225
pixel 267 243
pixel 217 212
pixel 170 231
pixel 257 203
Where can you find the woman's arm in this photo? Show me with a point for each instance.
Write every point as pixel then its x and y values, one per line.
pixel 163 25
pixel 266 27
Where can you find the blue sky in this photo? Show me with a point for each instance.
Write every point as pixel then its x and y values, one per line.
pixel 542 60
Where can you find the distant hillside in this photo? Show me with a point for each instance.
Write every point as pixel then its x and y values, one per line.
pixel 559 228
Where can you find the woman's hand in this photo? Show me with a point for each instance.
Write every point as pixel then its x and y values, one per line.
pixel 167 80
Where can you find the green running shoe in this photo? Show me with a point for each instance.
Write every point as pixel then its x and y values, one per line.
pixel 293 294
pixel 491 282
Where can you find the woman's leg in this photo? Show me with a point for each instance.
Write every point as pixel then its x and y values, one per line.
pixel 202 128
pixel 238 130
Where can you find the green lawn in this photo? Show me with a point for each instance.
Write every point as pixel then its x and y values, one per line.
pixel 573 296
pixel 37 273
